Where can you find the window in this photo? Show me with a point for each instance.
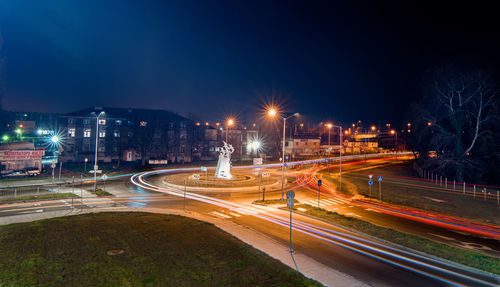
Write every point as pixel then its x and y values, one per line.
pixel 143 123
pixel 116 133
pixel 118 122
pixel 101 149
pixel 86 121
pixel 102 122
pixel 86 133
pixel 183 125
pixel 130 134
pixel 71 121
pixel 71 132
pixel 102 134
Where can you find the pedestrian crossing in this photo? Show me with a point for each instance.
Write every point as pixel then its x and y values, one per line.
pixel 325 202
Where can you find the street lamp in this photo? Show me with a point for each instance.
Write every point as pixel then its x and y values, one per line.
pixel 96 140
pixel 229 123
pixel 340 155
pixel 329 126
pixel 272 113
pixel 393 132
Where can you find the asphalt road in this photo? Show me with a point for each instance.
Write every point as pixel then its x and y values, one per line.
pixel 366 259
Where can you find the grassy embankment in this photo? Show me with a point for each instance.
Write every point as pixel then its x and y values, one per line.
pixel 158 250
pixel 39 197
pixel 465 257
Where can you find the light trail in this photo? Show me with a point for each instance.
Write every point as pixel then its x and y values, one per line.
pixel 351 242
pixel 431 218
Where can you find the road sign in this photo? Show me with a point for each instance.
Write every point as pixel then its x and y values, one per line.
pixel 285 164
pixel 319 182
pixel 290 194
pixel 104 177
pixel 196 176
pixel 289 202
pixel 266 174
pixel 53 165
pixel 370 182
pixel 370 176
pixel 204 168
pixel 286 157
pixel 326 159
pixel 379 178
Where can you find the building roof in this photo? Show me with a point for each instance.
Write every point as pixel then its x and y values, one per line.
pixel 17 146
pixel 130 113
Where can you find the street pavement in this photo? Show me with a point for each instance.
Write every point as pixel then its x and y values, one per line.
pixel 359 262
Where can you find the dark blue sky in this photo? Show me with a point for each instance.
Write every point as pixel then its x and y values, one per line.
pixel 344 62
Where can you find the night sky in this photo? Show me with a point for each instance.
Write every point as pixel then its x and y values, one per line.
pixel 328 61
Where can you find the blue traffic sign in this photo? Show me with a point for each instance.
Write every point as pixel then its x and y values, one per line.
pixel 326 159
pixel 370 182
pixel 379 178
pixel 319 182
pixel 285 164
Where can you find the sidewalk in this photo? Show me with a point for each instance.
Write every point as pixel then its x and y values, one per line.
pixel 307 266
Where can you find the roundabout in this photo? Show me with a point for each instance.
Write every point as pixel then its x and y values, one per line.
pixel 241 179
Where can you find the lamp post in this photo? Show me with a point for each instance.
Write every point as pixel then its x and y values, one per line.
pixel 395 142
pixel 340 155
pixel 272 113
pixel 329 126
pixel 229 123
pixel 96 141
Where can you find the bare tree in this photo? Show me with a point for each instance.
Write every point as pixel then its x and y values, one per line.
pixel 458 109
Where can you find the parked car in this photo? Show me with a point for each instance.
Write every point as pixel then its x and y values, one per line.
pixel 33 171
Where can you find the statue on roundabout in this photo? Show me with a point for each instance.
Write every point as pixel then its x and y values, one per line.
pixel 223 169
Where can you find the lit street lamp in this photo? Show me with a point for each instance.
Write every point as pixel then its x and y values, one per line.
pixel 393 132
pixel 329 126
pixel 272 113
pixel 340 155
pixel 229 123
pixel 96 139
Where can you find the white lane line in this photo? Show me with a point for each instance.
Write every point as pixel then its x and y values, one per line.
pixel 336 200
pixel 220 214
pixel 38 211
pixel 235 214
pixel 330 201
pixel 369 209
pixel 301 209
pixel 353 214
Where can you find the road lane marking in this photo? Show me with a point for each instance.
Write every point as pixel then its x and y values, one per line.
pixel 235 214
pixel 220 214
pixel 35 211
pixel 331 202
pixel 353 214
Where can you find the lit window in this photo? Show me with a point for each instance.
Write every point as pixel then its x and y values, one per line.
pixel 102 134
pixel 116 133
pixel 102 122
pixel 86 133
pixel 86 121
pixel 143 123
pixel 118 122
pixel 71 132
pixel 71 121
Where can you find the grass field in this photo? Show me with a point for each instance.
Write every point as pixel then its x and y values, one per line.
pixel 39 197
pixel 159 250
pixel 466 257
